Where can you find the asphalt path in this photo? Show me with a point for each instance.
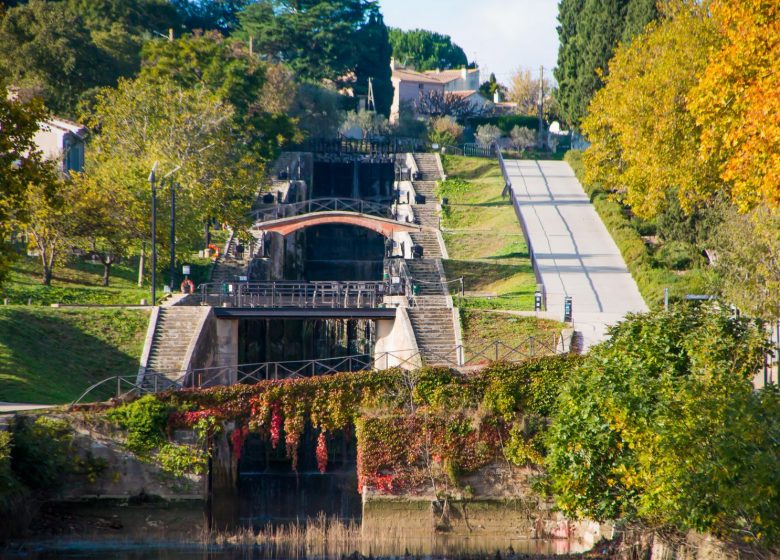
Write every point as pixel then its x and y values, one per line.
pixel 574 253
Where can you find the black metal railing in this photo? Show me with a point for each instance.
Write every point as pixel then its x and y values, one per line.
pixel 328 295
pixel 356 205
pixel 459 357
pixel 478 150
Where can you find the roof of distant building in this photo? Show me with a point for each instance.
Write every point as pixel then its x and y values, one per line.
pixel 66 125
pixel 446 76
pixel 406 75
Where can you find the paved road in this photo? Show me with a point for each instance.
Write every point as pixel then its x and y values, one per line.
pixel 7 408
pixel 575 254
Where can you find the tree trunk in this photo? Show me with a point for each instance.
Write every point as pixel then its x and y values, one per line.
pixel 141 266
pixel 47 274
pixel 106 272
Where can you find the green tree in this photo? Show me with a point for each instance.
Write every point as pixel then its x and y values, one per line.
pixel 426 50
pixel 47 50
pixel 220 15
pixel 20 162
pixel 373 61
pixel 589 33
pixel 316 38
pixel 661 425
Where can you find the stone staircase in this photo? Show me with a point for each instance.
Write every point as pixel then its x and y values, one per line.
pixel 425 273
pixel 429 242
pixel 427 189
pixel 173 332
pixel 229 265
pixel 428 167
pixel 435 333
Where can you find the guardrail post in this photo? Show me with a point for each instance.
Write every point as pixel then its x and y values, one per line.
pixel 118 386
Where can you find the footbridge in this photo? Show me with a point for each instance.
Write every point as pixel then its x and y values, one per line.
pixel 288 218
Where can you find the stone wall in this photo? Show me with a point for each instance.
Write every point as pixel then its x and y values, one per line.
pixel 496 502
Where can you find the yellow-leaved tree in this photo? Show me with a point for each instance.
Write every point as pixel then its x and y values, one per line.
pixel 644 140
pixel 737 102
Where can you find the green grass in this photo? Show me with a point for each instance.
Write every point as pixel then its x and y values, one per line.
pixel 484 240
pixel 649 276
pixel 481 329
pixel 51 355
pixel 78 281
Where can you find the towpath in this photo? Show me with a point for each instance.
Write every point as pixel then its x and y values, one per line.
pixel 575 254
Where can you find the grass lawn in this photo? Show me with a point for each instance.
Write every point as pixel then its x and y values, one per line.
pixel 484 240
pixel 481 329
pixel 78 281
pixel 51 356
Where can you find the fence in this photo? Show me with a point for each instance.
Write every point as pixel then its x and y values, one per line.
pixel 154 382
pixel 334 295
pixel 322 205
pixel 477 150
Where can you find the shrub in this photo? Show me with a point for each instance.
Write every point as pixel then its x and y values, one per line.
pixel 444 131
pixel 507 122
pixel 661 424
pixel 676 255
pixel 523 137
pixel 41 453
pixel 487 134
pixel 145 421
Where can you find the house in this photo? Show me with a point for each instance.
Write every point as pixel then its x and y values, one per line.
pixel 63 141
pixel 408 85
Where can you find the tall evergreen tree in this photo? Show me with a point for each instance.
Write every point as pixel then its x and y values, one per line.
pixel 373 62
pixel 425 50
pixel 589 32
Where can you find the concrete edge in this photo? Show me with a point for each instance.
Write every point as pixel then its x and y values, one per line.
pixel 404 322
pixel 150 330
pixel 442 175
pixel 412 163
pixel 461 358
pixel 186 362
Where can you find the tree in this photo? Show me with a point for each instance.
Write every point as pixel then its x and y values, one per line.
pixel 143 121
pixel 747 248
pixel 525 91
pixel 487 134
pixel 589 32
pixel 736 104
pixel 523 137
pixel 643 137
pixel 316 108
pixel 444 131
pixel 46 50
pixel 369 123
pixel 373 61
pixel 315 38
pixel 206 15
pixel 443 104
pixel 21 164
pixel 47 219
pixel 426 50
pixel 661 425
pixel 491 86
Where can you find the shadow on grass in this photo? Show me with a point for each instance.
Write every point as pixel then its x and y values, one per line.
pixel 516 255
pixel 478 275
pixel 50 357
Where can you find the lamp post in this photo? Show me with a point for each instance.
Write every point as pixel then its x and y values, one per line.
pixel 152 179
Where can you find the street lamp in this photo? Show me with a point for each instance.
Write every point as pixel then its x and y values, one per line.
pixel 173 223
pixel 152 177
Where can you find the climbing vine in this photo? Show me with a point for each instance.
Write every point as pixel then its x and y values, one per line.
pixel 414 428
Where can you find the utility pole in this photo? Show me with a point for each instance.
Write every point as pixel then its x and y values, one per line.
pixel 152 179
pixel 170 34
pixel 251 46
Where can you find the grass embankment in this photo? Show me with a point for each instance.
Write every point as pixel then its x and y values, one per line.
pixel 484 240
pixel 650 274
pixel 487 248
pixel 482 329
pixel 79 281
pixel 51 355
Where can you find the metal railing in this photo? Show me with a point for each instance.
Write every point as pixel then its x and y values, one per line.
pixel 459 357
pixel 322 205
pixel 333 295
pixel 477 150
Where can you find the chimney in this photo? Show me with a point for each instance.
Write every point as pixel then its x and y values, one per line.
pixel 497 96
pixel 392 63
pixel 464 73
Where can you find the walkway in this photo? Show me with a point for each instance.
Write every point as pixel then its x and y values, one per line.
pixel 575 254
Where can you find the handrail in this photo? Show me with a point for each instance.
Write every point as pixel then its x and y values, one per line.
pixel 507 181
pixel 317 294
pixel 327 204
pixel 528 348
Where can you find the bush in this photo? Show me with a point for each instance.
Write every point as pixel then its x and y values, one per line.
pixel 145 421
pixel 661 424
pixel 444 131
pixel 523 137
pixel 507 122
pixel 41 454
pixel 676 255
pixel 487 134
